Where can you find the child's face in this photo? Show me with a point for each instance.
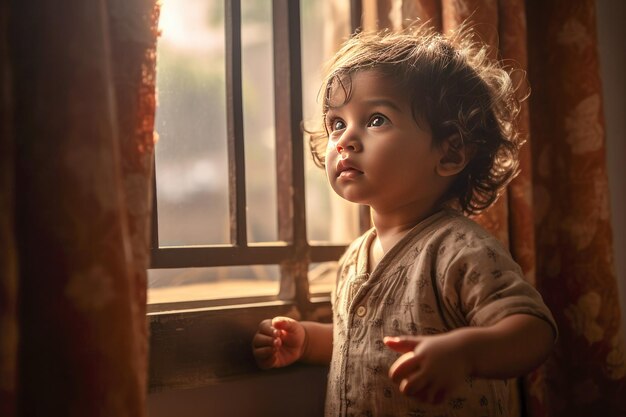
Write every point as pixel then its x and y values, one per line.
pixel 377 154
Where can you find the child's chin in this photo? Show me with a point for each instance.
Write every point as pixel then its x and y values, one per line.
pixel 348 193
pixel 352 198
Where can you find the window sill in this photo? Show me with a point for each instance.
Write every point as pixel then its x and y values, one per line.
pixel 193 345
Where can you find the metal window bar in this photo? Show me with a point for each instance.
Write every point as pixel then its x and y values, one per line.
pixel 289 149
pixel 356 15
pixel 234 115
pixel 293 253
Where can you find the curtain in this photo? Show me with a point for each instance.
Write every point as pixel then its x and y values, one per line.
pixel 554 216
pixel 575 272
pixel 77 109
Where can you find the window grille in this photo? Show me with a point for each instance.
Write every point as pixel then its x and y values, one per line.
pixel 292 251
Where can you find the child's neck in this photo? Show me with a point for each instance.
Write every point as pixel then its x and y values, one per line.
pixel 390 229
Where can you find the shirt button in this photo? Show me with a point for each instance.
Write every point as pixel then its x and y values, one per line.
pixel 361 311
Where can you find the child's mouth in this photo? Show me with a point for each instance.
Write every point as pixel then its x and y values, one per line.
pixel 349 173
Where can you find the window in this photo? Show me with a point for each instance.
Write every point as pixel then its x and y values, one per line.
pixel 232 241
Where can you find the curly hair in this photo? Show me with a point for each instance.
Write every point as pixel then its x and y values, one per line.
pixel 455 88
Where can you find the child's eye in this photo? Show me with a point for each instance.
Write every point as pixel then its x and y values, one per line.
pixel 377 120
pixel 337 124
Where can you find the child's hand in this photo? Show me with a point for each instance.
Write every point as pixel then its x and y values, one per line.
pixel 431 368
pixel 278 342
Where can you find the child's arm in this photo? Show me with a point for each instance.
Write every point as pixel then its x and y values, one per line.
pixel 319 347
pixel 433 366
pixel 282 341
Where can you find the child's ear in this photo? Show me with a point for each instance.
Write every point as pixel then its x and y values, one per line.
pixel 454 156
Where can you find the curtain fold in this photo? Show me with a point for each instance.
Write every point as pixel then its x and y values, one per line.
pixel 554 216
pixel 575 268
pixel 133 44
pixel 75 192
pixel 8 255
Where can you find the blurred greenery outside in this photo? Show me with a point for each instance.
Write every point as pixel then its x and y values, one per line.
pixel 191 156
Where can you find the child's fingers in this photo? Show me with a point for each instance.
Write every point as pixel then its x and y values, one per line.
pixel 421 386
pixel 261 340
pixel 265 327
pixel 404 366
pixel 265 357
pixel 265 352
pixel 431 393
pixel 424 387
pixel 401 344
pixel 284 323
pixel 415 384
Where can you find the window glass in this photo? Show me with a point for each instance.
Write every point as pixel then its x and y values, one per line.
pixel 191 161
pixel 191 155
pixel 329 218
pixel 322 277
pixel 195 284
pixel 258 109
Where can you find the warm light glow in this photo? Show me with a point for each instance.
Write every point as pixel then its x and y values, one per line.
pixel 188 27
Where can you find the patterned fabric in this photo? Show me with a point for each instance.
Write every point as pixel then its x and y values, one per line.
pixel 77 109
pixel 446 273
pixel 575 271
pixel 554 216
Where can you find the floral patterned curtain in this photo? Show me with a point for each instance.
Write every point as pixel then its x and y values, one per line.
pixel 554 215
pixel 76 113
pixel 575 272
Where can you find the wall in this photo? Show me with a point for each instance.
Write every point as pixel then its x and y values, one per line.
pixel 298 391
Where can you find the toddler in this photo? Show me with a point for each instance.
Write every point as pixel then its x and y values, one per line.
pixel 431 315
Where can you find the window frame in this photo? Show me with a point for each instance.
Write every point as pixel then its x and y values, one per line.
pixel 184 347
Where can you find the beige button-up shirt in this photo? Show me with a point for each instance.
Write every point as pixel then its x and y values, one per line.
pixel 447 272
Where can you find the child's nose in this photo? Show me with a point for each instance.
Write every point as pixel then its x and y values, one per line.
pixel 348 144
pixel 349 148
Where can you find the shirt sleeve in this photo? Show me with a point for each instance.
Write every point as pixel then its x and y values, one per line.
pixel 487 285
